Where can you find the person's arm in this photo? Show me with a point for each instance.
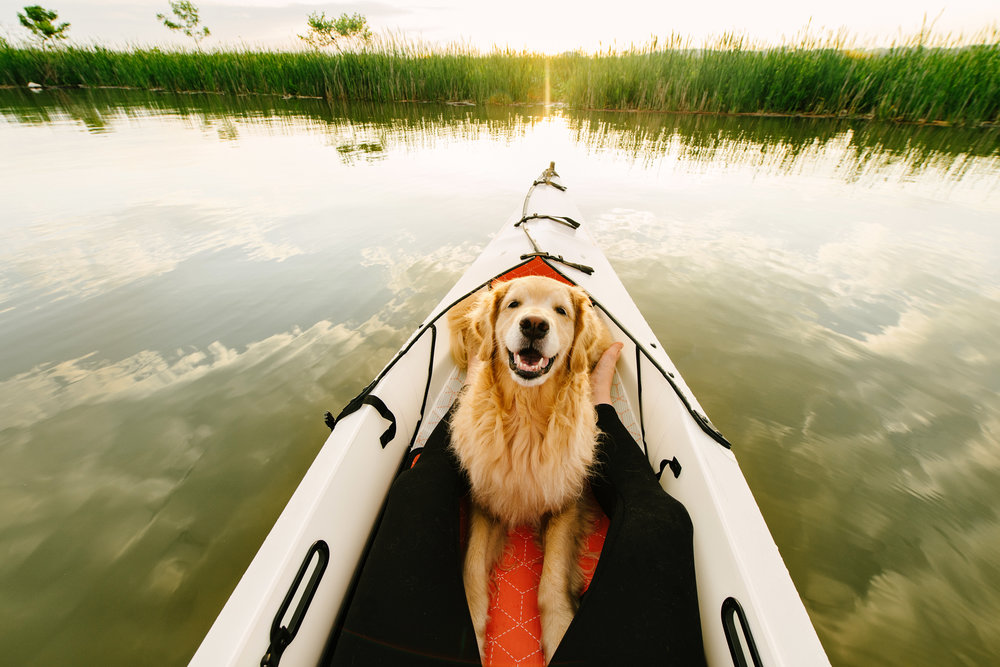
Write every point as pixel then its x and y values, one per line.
pixel 644 586
pixel 617 454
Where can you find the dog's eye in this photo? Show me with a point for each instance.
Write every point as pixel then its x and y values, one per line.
pixel 560 310
pixel 513 304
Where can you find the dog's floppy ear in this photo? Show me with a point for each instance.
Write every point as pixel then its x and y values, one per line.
pixel 482 320
pixel 458 322
pixel 590 338
pixel 472 323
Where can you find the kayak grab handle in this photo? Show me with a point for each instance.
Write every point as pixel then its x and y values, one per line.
pixel 742 647
pixel 282 635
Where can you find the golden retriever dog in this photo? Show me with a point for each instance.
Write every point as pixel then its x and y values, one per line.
pixel 525 431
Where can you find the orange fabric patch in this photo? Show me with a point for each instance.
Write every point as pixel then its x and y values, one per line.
pixel 514 627
pixel 534 267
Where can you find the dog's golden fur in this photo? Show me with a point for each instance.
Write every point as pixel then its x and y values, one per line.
pixel 525 434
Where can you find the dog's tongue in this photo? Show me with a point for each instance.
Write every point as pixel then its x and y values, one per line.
pixel 530 360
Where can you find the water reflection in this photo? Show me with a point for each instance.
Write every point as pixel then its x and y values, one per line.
pixel 131 511
pixel 143 486
pixel 187 282
pixel 787 144
pixel 855 148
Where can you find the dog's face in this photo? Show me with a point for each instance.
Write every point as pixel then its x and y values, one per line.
pixel 535 326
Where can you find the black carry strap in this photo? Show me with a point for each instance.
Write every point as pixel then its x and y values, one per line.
pixel 386 414
pixel 674 464
pixel 364 398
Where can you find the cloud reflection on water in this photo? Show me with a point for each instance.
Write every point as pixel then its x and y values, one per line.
pixel 96 254
pixel 157 474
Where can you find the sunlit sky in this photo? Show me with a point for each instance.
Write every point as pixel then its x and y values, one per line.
pixel 546 26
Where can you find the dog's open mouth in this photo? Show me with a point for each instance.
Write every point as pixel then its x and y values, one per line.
pixel 529 363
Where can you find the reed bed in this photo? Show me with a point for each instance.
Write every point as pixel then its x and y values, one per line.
pixel 372 75
pixel 953 84
pixel 911 82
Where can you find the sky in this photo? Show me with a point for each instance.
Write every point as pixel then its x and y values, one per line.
pixel 552 26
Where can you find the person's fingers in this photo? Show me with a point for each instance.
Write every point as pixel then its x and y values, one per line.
pixel 604 373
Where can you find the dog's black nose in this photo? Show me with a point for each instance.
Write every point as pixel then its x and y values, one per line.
pixel 534 328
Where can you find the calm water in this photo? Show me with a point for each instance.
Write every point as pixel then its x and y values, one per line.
pixel 187 283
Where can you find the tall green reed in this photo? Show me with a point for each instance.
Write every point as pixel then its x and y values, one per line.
pixel 918 80
pixel 391 73
pixel 913 82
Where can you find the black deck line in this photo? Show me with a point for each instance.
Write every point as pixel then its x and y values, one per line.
pixel 702 420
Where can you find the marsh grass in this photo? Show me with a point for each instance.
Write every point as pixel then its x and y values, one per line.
pixel 957 83
pixel 913 82
pixel 392 73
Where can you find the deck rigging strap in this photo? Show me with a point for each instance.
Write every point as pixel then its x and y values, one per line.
pixel 546 179
pixel 563 219
pixel 555 258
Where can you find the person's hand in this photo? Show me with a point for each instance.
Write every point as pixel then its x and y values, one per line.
pixel 603 374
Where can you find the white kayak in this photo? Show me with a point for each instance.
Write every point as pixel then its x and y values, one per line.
pixel 289 600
